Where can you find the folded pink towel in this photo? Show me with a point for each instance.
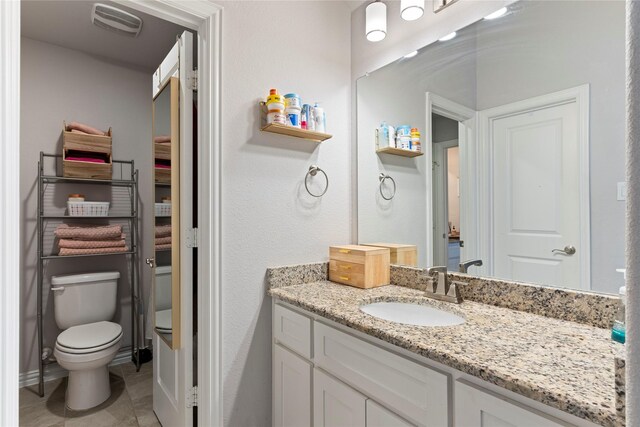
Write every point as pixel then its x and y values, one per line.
pixel 85 159
pixel 90 244
pixel 68 251
pixel 161 166
pixel 88 232
pixel 163 240
pixel 163 247
pixel 84 128
pixel 163 230
pixel 162 138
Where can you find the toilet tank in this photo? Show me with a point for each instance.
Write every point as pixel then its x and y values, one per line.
pixel 163 287
pixel 84 298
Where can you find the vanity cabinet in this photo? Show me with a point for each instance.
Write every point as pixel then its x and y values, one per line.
pixel 327 376
pixel 481 408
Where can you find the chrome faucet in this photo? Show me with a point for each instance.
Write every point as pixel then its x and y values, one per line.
pixel 464 265
pixel 442 289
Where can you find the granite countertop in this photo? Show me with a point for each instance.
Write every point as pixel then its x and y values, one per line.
pixel 566 365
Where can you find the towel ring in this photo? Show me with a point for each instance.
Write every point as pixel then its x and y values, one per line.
pixel 313 171
pixel 382 177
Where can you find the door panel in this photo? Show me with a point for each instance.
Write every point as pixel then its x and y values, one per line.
pixel 291 389
pixel 173 341
pixel 535 157
pixel 335 404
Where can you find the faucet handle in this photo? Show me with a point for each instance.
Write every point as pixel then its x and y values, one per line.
pixel 437 269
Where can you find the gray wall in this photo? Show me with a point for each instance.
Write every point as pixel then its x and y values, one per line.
pixel 267 217
pixel 61 84
pixel 541 47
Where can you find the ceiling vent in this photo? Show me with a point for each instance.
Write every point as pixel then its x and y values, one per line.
pixel 116 20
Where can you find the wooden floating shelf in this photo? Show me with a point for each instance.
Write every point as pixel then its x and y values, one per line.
pixel 399 152
pixel 295 132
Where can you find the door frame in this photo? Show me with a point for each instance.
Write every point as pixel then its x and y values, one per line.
pixel 206 18
pixel 441 191
pixel 579 95
pixel 466 117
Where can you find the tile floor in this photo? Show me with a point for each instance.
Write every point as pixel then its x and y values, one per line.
pixel 130 404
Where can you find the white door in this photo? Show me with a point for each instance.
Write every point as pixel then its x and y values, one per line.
pixel 477 408
pixel 536 206
pixel 335 404
pixel 442 188
pixel 291 389
pixel 173 369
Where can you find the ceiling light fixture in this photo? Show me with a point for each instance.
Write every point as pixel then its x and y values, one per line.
pixel 411 55
pixel 497 14
pixel 410 10
pixel 376 21
pixel 448 37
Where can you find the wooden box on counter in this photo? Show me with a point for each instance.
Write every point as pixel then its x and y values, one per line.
pixel 400 254
pixel 359 266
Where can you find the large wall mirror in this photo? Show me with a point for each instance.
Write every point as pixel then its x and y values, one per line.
pixel 521 163
pixel 166 176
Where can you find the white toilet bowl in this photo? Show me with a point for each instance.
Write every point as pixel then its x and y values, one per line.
pixel 85 351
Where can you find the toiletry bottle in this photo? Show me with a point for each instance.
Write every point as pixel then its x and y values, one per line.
pixel 383 136
pixel 275 108
pixel 292 105
pixel 321 121
pixel 618 332
pixel 306 119
pixel 415 140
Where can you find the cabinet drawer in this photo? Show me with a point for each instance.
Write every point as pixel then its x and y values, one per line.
pixel 414 391
pixel 348 273
pixel 293 330
pixel 348 253
pixel 476 407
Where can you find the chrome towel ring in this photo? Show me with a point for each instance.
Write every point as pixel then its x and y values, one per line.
pixel 313 171
pixel 383 177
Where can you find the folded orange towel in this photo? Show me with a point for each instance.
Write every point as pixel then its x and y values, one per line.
pixel 68 251
pixel 163 230
pixel 88 232
pixel 90 244
pixel 84 128
pixel 163 240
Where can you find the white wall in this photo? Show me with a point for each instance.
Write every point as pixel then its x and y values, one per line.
pixel 61 84
pixel 268 219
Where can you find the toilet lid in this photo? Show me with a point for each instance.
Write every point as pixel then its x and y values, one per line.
pixel 89 336
pixel 163 320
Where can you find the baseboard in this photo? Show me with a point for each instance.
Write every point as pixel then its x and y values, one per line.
pixel 53 371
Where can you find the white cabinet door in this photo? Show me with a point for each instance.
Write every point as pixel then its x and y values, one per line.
pixel 291 389
pixel 335 404
pixel 477 408
pixel 377 416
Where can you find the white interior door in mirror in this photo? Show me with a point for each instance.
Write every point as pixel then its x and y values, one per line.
pixel 536 173
pixel 173 369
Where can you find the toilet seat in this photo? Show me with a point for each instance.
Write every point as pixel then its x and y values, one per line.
pixel 89 338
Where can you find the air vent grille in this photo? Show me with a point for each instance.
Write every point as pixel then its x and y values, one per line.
pixel 116 20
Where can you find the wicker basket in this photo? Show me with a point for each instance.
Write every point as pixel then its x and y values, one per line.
pixel 88 208
pixel 163 209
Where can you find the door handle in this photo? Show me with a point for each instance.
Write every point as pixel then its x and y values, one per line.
pixel 568 250
pixel 150 262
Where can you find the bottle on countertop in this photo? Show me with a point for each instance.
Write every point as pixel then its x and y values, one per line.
pixel 618 332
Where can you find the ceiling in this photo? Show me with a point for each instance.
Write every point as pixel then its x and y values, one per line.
pixel 68 24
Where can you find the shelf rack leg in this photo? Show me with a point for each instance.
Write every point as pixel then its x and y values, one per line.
pixel 40 279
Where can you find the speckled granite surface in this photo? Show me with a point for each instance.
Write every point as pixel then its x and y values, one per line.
pixel 621 390
pixel 566 365
pixel 278 277
pixel 566 304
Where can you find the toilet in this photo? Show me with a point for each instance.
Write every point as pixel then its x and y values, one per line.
pixel 83 305
pixel 163 299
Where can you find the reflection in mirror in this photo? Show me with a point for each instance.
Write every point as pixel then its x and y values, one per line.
pixel 165 146
pixel 521 122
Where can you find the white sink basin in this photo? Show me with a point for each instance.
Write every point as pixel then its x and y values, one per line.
pixel 411 314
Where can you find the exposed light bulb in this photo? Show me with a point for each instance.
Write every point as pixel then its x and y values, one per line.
pixel 448 37
pixel 497 14
pixel 376 21
pixel 410 10
pixel 411 55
